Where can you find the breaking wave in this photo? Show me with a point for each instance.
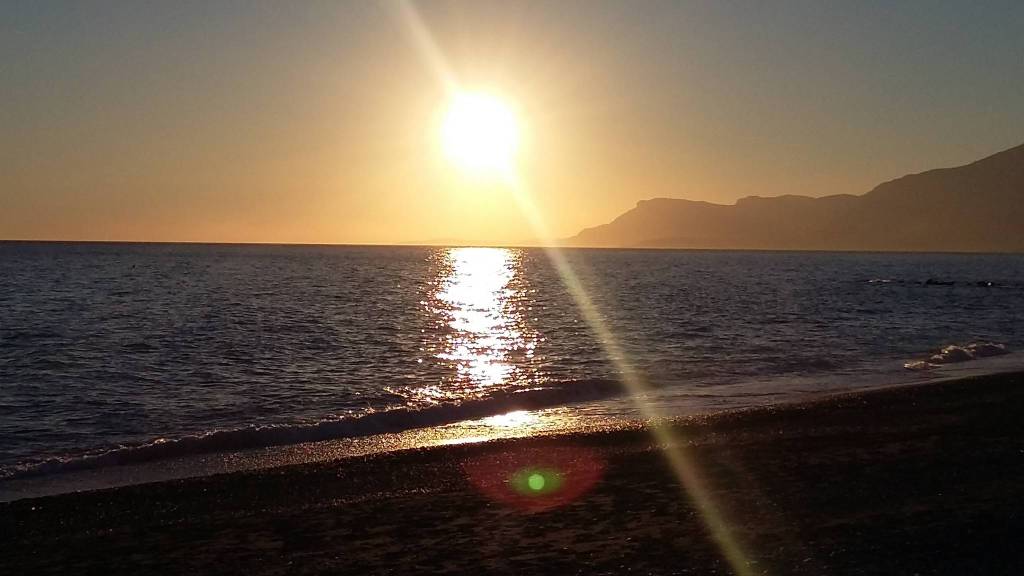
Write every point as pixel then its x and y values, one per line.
pixel 371 423
pixel 946 282
pixel 953 353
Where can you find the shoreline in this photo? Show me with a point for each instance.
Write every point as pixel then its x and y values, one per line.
pixel 90 473
pixel 919 477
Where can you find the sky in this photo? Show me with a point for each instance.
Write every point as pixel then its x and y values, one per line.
pixel 318 122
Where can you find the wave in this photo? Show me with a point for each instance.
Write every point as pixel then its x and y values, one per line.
pixel 16 336
pixel 371 423
pixel 953 354
pixel 946 282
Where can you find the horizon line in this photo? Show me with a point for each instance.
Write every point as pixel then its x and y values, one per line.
pixel 494 245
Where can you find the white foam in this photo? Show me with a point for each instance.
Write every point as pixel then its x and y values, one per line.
pixel 953 353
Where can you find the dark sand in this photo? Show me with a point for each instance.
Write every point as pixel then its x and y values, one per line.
pixel 918 480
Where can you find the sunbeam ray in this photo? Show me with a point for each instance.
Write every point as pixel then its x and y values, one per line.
pixel 682 464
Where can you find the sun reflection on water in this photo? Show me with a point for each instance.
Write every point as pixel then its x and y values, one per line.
pixel 477 299
pixel 516 419
pixel 479 348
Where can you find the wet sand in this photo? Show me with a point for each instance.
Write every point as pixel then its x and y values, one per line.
pixel 927 479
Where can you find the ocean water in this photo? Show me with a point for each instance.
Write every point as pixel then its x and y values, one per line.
pixel 115 353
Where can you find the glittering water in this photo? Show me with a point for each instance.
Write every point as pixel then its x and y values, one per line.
pixel 108 346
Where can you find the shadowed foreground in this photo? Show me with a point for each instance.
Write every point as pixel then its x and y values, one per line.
pixel 926 479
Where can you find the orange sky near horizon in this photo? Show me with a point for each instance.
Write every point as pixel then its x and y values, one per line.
pixel 319 123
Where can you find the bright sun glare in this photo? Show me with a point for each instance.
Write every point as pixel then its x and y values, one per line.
pixel 480 133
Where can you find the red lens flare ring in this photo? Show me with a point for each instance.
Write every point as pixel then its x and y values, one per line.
pixel 535 478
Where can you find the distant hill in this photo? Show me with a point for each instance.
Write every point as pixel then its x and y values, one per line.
pixel 974 208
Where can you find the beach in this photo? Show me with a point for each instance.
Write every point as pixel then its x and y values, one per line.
pixel 359 288
pixel 918 479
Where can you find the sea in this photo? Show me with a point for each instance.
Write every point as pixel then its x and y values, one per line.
pixel 186 358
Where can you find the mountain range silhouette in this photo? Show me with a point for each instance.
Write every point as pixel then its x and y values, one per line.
pixel 978 207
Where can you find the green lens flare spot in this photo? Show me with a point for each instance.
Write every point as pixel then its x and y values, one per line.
pixel 536 481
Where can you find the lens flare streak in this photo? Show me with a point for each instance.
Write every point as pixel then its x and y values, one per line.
pixel 683 466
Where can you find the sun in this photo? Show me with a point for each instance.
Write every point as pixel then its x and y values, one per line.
pixel 480 133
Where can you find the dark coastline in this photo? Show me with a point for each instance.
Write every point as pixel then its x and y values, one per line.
pixel 921 479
